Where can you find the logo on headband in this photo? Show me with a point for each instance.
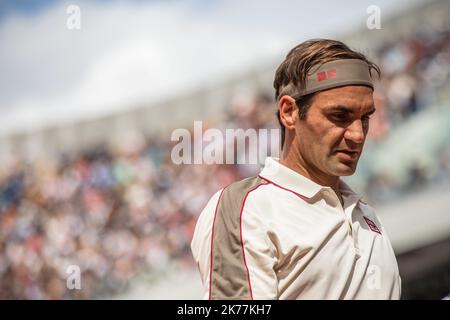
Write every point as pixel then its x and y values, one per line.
pixel 326 75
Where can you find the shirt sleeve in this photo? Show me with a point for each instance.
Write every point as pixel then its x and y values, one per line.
pixel 201 241
pixel 244 268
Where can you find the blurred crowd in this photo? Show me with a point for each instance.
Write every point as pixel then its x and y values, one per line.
pixel 415 76
pixel 118 210
pixel 112 214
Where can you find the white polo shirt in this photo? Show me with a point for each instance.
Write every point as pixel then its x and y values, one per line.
pixel 283 236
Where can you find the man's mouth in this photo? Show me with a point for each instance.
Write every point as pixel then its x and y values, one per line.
pixel 347 154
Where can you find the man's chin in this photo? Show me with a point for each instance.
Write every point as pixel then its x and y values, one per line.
pixel 345 170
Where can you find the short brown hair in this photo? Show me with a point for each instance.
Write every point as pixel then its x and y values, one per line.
pixel 295 67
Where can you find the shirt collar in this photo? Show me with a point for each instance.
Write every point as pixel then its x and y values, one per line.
pixel 287 178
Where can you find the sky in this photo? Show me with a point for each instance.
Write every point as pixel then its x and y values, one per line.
pixel 128 53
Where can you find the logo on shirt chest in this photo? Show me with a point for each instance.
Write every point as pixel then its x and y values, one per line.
pixel 372 225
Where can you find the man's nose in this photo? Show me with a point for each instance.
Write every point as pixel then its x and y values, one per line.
pixel 355 132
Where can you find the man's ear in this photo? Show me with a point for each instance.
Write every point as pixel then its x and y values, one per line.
pixel 288 112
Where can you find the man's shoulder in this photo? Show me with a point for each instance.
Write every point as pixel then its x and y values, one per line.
pixel 233 195
pixel 239 190
pixel 365 205
pixel 245 185
pixel 368 210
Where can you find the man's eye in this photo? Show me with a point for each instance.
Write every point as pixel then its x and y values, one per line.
pixel 340 116
pixel 366 118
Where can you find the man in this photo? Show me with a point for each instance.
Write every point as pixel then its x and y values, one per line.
pixel 297 231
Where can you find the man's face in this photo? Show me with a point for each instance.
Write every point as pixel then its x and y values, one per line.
pixel 332 135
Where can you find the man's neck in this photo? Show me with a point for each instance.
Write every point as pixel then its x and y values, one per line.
pixel 298 165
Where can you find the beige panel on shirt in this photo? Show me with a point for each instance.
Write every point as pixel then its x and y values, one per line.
pixel 229 274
